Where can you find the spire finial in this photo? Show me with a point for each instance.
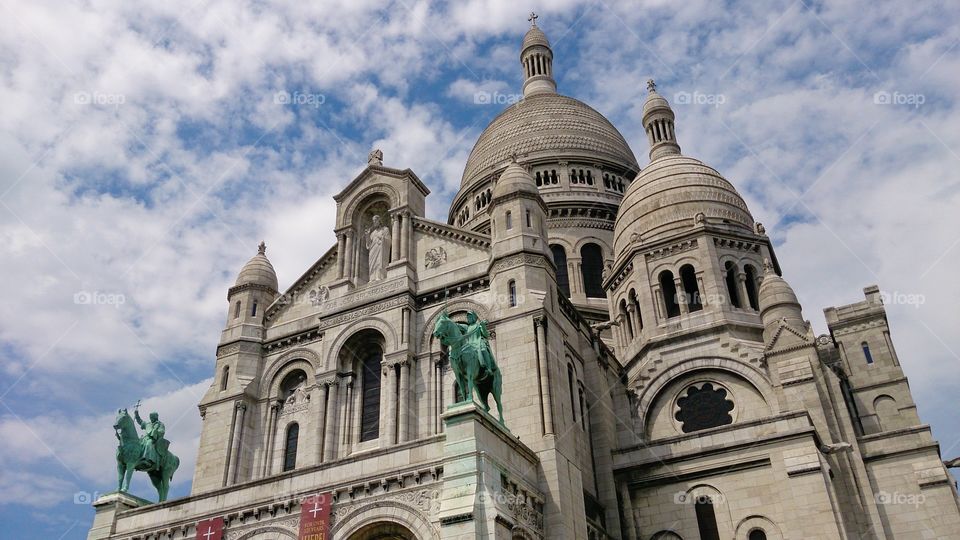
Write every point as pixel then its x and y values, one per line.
pixel 651 86
pixel 262 248
pixel 533 19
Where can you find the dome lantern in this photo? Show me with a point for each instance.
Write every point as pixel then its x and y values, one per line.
pixel 536 58
pixel 658 121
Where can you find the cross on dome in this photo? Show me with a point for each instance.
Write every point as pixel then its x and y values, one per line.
pixel 262 248
pixel 651 86
pixel 533 18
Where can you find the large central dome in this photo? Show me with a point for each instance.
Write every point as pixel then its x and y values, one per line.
pixel 546 125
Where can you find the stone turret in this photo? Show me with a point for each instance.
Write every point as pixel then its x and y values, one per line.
pixel 536 57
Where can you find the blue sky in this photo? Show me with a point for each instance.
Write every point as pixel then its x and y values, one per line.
pixel 146 149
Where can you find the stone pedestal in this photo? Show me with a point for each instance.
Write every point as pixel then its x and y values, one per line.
pixel 107 507
pixel 490 479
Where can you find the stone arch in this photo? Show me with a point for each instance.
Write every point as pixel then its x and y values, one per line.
pixel 306 355
pixel 887 413
pixel 751 523
pixel 365 195
pixel 605 248
pixel 269 532
pixel 384 511
pixel 285 369
pixel 662 266
pixel 391 345
pixel 649 393
pixel 426 339
pixel 666 535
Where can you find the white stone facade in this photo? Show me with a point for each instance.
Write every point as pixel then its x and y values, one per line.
pixel 659 378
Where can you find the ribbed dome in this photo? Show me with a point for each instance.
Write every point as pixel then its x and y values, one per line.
pixel 259 271
pixel 667 196
pixel 514 178
pixel 534 36
pixel 775 291
pixel 546 125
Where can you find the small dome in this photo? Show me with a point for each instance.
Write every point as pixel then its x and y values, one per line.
pixel 655 101
pixel 514 178
pixel 775 291
pixel 667 196
pixel 259 271
pixel 534 36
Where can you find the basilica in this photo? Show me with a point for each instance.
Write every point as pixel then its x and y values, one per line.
pixel 659 379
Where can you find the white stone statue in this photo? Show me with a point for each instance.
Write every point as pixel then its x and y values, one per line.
pixel 378 249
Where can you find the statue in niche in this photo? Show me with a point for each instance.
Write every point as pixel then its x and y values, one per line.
pixel 378 249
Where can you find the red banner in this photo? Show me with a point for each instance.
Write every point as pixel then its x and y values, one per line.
pixel 210 529
pixel 315 517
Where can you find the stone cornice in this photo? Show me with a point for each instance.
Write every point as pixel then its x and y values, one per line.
pixel 453 233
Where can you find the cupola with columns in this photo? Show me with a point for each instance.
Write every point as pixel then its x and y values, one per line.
pixel 536 57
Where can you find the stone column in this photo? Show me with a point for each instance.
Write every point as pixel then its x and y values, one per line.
pixel 742 288
pixel 404 402
pixel 634 323
pixel 330 429
pixel 241 409
pixel 628 516
pixel 661 306
pixel 266 468
pixel 395 237
pixel 341 253
pixel 544 369
pixel 346 421
pixel 322 415
pixel 407 236
pixel 391 393
pixel 348 254
pixel 703 297
pixel 682 300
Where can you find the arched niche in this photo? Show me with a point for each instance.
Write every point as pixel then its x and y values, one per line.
pixel 672 410
pixel 751 524
pixel 384 515
pixel 391 343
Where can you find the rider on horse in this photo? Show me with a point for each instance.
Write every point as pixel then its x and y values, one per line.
pixel 154 446
pixel 475 335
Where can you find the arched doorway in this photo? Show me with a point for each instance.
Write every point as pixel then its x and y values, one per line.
pixel 383 530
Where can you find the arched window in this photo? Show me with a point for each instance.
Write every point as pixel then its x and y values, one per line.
pixel 563 278
pixel 866 352
pixel 706 519
pixel 636 308
pixel 512 292
pixel 688 277
pixel 529 221
pixel 592 257
pixel 370 394
pixel 508 220
pixel 224 378
pixel 583 410
pixel 751 284
pixel 732 284
pixel 573 402
pixel 669 290
pixel 253 309
pixel 626 318
pixel 757 534
pixel 236 311
pixel 290 447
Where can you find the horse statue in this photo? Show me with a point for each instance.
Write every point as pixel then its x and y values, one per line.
pixel 148 453
pixel 471 359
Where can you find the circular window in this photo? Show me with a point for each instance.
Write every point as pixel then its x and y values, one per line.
pixel 702 407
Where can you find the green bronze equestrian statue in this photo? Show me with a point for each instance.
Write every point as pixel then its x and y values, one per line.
pixel 471 359
pixel 149 453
